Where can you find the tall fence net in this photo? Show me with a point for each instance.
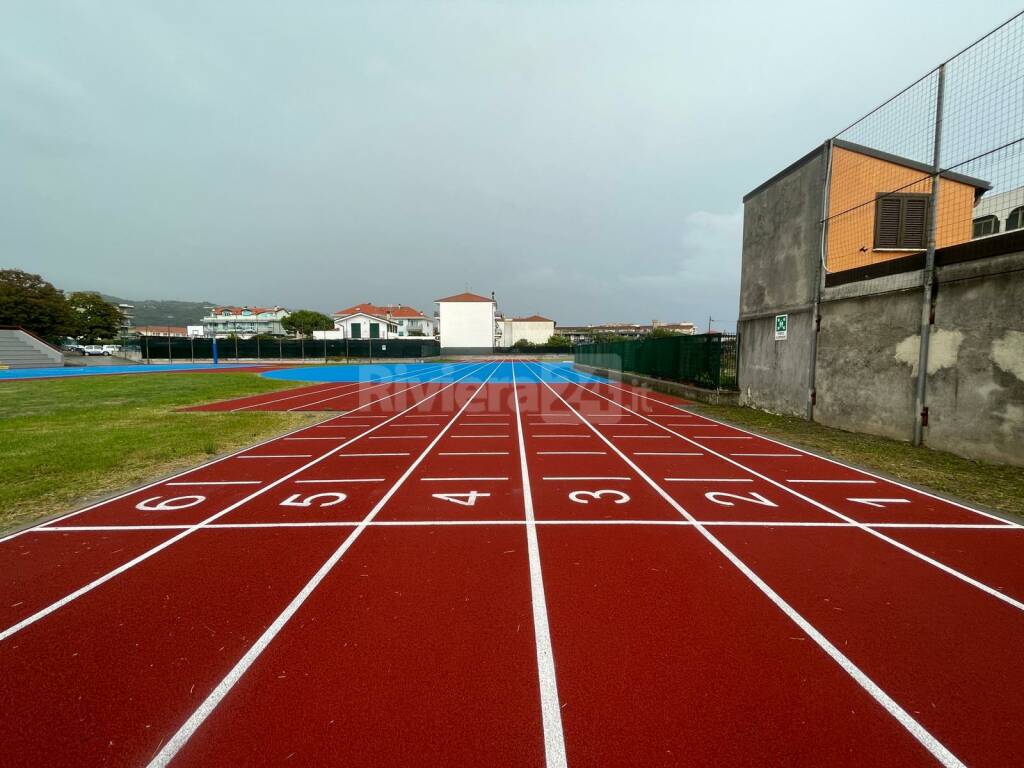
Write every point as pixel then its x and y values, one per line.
pixel 960 129
pixel 707 360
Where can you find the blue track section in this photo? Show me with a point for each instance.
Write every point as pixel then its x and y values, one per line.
pixel 106 370
pixel 474 372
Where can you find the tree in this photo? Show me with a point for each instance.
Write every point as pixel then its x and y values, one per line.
pixel 305 321
pixel 524 344
pixel 29 301
pixel 603 337
pixel 558 340
pixel 93 317
pixel 660 333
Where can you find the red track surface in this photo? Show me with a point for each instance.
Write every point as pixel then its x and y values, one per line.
pixel 658 589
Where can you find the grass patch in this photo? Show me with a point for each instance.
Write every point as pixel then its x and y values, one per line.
pixel 996 486
pixel 65 442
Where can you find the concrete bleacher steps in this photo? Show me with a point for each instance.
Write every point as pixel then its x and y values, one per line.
pixel 19 349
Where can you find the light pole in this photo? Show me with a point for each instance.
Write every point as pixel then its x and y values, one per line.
pixel 169 359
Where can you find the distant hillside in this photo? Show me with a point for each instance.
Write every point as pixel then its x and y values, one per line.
pixel 153 312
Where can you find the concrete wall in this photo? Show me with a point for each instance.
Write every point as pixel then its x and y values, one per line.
pixel 868 351
pixel 467 324
pixel 534 331
pixel 866 372
pixel 781 252
pixel 976 370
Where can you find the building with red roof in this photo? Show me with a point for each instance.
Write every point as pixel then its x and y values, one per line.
pixel 372 321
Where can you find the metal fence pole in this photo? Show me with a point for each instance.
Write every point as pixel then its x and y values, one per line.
pixel 928 279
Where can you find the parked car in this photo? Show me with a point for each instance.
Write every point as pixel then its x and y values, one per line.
pixel 71 346
pixel 111 349
pixel 94 349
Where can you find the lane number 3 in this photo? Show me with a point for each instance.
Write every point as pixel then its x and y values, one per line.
pixel 581 497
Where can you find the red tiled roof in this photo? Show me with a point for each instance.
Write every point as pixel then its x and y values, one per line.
pixel 534 319
pixel 369 308
pixel 463 297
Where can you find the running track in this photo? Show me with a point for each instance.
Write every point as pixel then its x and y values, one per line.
pixel 501 567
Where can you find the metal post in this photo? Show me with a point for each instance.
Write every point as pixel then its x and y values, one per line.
pixel 928 279
pixel 236 346
pixel 192 347
pixel 325 347
pixel 819 277
pixel 258 358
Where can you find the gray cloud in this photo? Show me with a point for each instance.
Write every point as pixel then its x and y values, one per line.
pixel 583 160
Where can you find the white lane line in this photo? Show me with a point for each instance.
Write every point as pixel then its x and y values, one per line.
pixel 363 455
pixel 316 437
pixel 475 437
pixel 586 478
pixel 918 731
pixel 443 479
pixel 765 455
pixel 577 436
pixel 399 523
pixel 216 482
pixel 484 424
pixel 642 437
pixel 424 415
pixel 362 416
pixel 620 424
pixel 472 453
pixel 340 426
pixel 346 480
pixel 189 727
pixel 43 612
pixel 400 437
pixel 551 712
pixel 707 479
pixel 832 481
pixel 572 453
pixel 721 437
pixel 664 453
pixel 1019 605
pixel 275 456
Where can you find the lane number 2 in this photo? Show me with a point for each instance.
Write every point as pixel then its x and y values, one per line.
pixel 462 499
pixel 719 497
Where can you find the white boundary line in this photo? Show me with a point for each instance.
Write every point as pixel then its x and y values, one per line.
pixel 205 709
pixel 1019 605
pixel 918 731
pixel 551 712
pixel 399 523
pixel 43 612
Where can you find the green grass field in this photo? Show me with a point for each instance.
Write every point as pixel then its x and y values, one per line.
pixel 996 486
pixel 66 442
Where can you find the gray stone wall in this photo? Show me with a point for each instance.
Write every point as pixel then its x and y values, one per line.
pixel 976 361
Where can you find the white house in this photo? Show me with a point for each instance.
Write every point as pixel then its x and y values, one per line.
pixel 534 329
pixel 467 321
pixel 370 321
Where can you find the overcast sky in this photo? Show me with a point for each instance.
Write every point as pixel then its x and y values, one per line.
pixel 584 160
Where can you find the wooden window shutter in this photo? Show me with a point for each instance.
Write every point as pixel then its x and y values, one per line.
pixel 887 222
pixel 915 216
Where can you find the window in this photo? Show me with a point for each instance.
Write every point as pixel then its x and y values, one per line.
pixel 357 330
pixel 985 225
pixel 901 221
pixel 1016 219
pixel 374 330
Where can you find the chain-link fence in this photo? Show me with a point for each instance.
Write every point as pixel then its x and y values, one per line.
pixel 705 360
pixel 957 132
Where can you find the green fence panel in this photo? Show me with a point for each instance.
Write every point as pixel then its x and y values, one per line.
pixel 707 360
